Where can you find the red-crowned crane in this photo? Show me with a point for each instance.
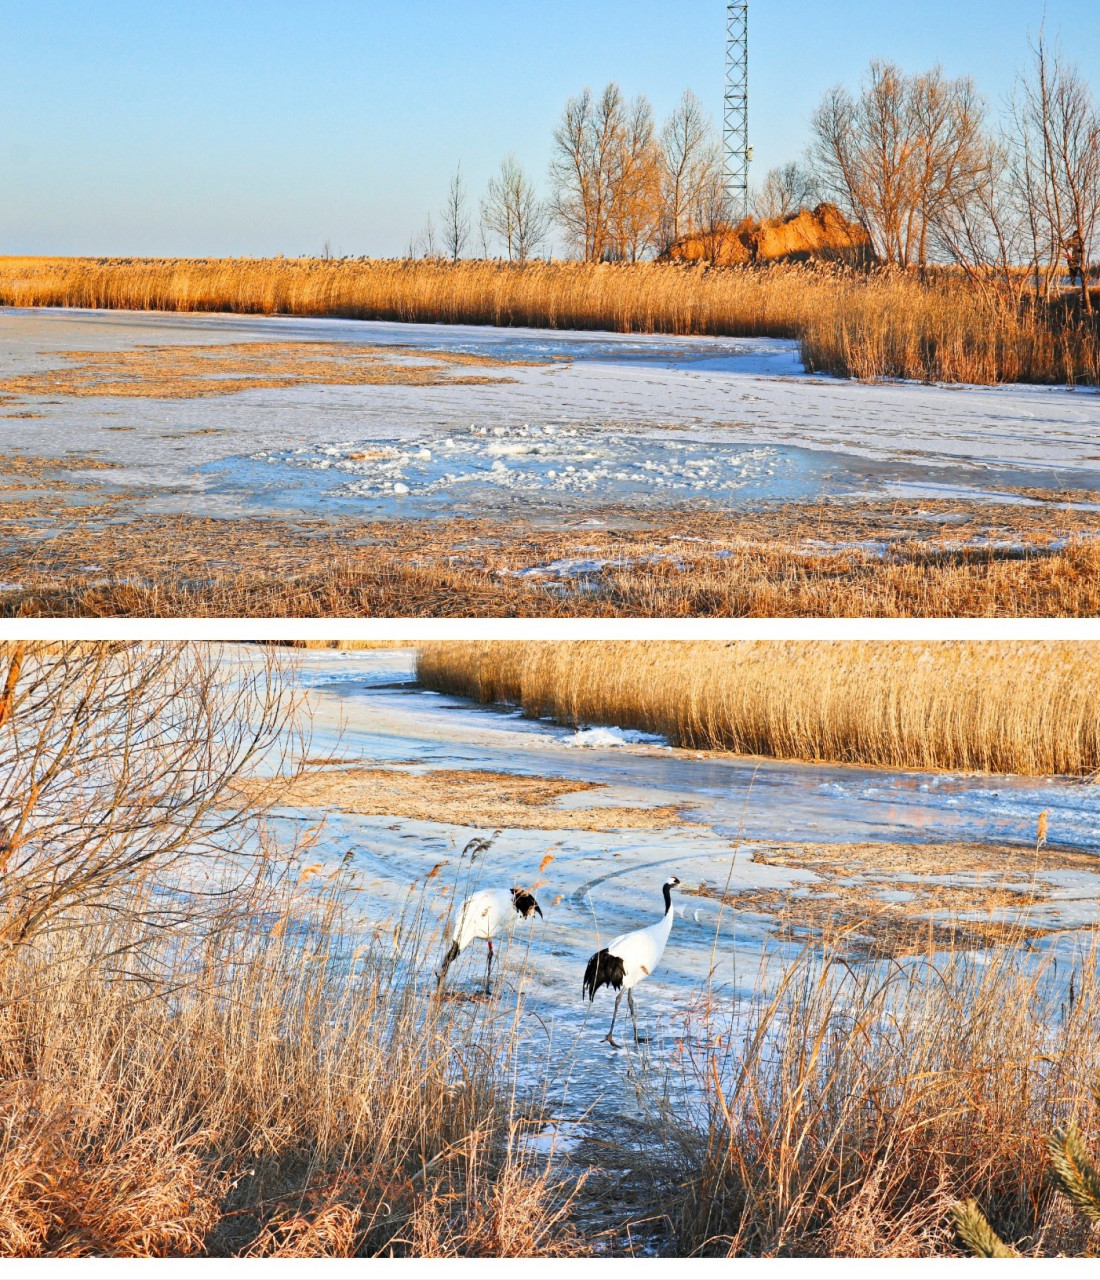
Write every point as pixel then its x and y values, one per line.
pixel 626 961
pixel 484 915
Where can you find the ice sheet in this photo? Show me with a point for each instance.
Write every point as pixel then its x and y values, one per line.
pixel 646 420
pixel 368 708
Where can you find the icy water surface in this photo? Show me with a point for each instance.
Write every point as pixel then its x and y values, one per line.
pixel 603 419
pixel 369 710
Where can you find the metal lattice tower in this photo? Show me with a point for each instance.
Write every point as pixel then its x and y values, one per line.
pixel 735 117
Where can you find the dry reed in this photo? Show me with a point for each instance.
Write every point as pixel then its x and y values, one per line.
pixel 176 566
pixel 1027 708
pixel 877 324
pixel 855 1107
pixel 275 1077
pixel 263 1087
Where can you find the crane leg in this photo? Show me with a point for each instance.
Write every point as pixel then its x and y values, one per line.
pixel 489 965
pixel 633 1018
pixel 610 1037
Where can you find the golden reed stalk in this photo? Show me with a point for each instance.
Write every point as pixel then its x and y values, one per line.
pixel 853 324
pixel 999 707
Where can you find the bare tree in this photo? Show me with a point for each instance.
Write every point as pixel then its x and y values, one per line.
pixel 512 210
pixel 713 215
pixel 786 190
pixel 426 245
pixel 864 151
pixel 587 141
pixel 119 771
pixel 985 228
pixel 634 185
pixel 456 221
pixel 690 158
pixel 905 150
pixel 1058 165
pixel 950 153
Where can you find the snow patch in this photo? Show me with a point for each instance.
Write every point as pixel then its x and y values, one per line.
pixel 603 737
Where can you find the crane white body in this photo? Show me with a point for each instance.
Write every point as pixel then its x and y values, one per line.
pixel 641 950
pixel 485 915
pixel 629 958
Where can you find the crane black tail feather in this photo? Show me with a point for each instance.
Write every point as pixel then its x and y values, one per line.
pixel 603 970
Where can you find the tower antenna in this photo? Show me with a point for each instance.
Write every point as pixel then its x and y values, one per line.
pixel 735 117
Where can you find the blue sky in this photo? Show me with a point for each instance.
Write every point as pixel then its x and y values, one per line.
pixel 248 127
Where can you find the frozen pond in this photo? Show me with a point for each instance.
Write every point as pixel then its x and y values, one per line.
pixel 597 420
pixel 369 712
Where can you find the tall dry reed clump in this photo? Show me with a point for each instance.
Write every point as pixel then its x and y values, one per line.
pixel 857 1107
pixel 203 1048
pixel 891 325
pixel 854 324
pixel 257 1087
pixel 1002 707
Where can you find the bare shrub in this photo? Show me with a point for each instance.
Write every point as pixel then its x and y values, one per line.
pixel 117 771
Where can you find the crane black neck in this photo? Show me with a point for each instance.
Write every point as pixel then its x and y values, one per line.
pixel 667 891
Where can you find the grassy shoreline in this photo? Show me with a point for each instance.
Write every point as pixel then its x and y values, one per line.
pixel 770 563
pixel 991 706
pixel 853 324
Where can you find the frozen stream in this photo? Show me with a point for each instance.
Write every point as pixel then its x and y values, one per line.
pixel 370 711
pixel 646 421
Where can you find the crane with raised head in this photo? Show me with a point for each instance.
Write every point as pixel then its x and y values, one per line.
pixel 628 960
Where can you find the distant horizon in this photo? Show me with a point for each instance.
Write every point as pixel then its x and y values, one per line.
pixel 257 130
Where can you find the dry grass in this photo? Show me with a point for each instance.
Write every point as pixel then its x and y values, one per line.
pixel 1000 707
pixel 257 1090
pixel 185 372
pixel 878 324
pixel 84 560
pixel 893 326
pixel 463 798
pixel 204 1047
pixel 273 1077
pixel 35 467
pixel 850 1110
pixel 956 897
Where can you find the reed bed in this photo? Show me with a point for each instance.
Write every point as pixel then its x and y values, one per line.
pixel 265 1088
pixel 853 324
pixel 1000 707
pixel 854 1107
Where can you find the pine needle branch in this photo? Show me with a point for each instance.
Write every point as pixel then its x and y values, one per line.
pixel 976 1233
pixel 1075 1171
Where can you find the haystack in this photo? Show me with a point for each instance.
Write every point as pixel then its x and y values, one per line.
pixel 821 233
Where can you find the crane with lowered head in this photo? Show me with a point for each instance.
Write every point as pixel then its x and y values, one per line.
pixel 485 915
